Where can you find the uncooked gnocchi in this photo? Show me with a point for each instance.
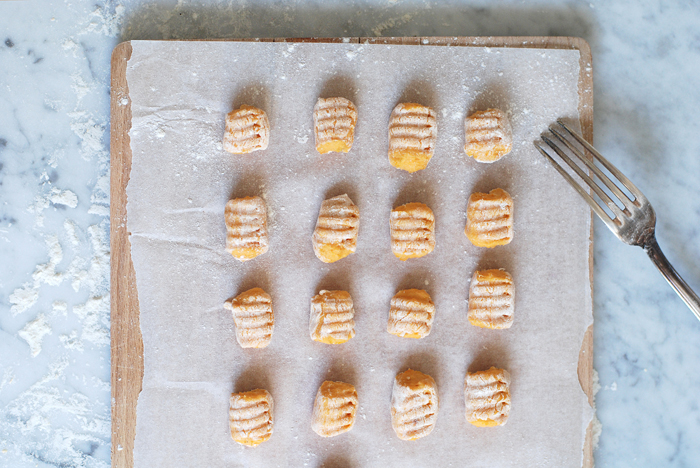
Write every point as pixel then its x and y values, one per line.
pixel 488 136
pixel 412 231
pixel 490 218
pixel 250 417
pixel 332 317
pixel 487 397
pixel 246 227
pixel 253 316
pixel 412 135
pixel 334 125
pixel 411 314
pixel 338 224
pixel 414 405
pixel 335 407
pixel 247 130
pixel 491 299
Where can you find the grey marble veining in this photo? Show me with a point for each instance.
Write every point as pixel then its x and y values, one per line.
pixel 54 188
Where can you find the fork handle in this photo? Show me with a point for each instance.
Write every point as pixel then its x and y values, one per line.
pixel 674 279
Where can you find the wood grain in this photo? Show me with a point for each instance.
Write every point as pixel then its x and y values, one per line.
pixel 127 345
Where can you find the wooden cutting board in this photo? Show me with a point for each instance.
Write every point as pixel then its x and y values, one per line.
pixel 127 345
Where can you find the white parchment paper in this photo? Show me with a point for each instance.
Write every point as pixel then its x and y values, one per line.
pixel 181 179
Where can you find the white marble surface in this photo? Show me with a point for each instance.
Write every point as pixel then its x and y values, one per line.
pixel 54 127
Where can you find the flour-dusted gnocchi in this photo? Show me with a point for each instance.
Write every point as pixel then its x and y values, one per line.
pixel 414 405
pixel 488 136
pixel 487 397
pixel 334 125
pixel 335 408
pixel 247 130
pixel 490 218
pixel 412 231
pixel 491 299
pixel 412 136
pixel 254 318
pixel 246 227
pixel 411 314
pixel 332 317
pixel 250 417
pixel 338 225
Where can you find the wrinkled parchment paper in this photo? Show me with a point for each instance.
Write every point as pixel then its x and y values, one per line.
pixel 181 179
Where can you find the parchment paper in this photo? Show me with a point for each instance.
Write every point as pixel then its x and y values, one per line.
pixel 181 179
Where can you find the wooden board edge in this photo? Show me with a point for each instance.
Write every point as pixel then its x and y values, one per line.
pixel 127 365
pixel 126 342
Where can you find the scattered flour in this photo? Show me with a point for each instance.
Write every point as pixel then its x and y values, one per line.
pixel 71 232
pixel 95 319
pixel 33 333
pixel 23 298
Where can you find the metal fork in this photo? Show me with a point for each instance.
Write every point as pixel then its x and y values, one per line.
pixel 636 223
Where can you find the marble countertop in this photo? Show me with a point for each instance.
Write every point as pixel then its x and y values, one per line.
pixel 54 200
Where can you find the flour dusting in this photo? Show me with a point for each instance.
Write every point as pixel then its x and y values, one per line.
pixel 34 332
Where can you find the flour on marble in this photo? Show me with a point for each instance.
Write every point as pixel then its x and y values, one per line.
pixel 33 333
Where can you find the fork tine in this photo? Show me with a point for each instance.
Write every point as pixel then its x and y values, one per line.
pixel 586 178
pixel 638 195
pixel 590 165
pixel 590 200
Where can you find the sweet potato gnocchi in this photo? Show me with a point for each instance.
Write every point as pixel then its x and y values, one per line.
pixel 247 130
pixel 250 417
pixel 488 136
pixel 487 397
pixel 335 407
pixel 254 318
pixel 412 136
pixel 414 405
pixel 412 231
pixel 332 317
pixel 491 299
pixel 246 227
pixel 334 125
pixel 338 225
pixel 490 218
pixel 411 314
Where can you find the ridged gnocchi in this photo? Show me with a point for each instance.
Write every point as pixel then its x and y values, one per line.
pixel 412 136
pixel 490 218
pixel 411 314
pixel 488 135
pixel 412 231
pixel 250 417
pixel 334 125
pixel 254 318
pixel 246 227
pixel 335 408
pixel 487 397
pixel 491 299
pixel 337 227
pixel 332 317
pixel 247 130
pixel 414 405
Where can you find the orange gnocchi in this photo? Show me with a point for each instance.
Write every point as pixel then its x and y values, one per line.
pixel 247 130
pixel 412 136
pixel 332 317
pixel 250 417
pixel 488 136
pixel 254 318
pixel 412 231
pixel 335 407
pixel 338 225
pixel 491 299
pixel 334 125
pixel 411 314
pixel 490 218
pixel 246 227
pixel 487 397
pixel 414 405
